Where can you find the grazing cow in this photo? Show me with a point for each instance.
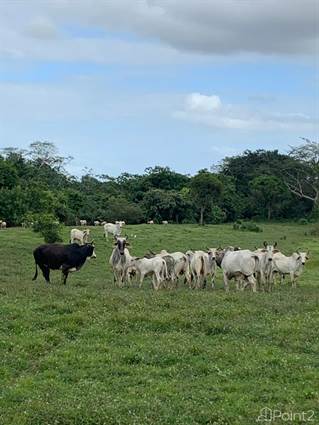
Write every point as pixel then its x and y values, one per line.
pixel 119 260
pixel 80 237
pixel 3 225
pixel 96 223
pixel 68 258
pixel 239 265
pixel 112 229
pixel 164 222
pixel 83 223
pixel 155 267
pixel 264 270
pixel 102 223
pixel 292 266
pixel 150 222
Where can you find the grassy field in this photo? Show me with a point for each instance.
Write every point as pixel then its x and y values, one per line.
pixel 90 353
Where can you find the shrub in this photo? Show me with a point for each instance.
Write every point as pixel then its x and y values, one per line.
pixel 217 215
pixel 247 226
pixel 48 226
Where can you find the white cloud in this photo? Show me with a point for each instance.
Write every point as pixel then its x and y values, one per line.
pixel 200 102
pixel 210 111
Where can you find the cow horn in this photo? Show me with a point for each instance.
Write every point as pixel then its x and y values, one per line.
pixel 265 244
pixel 275 244
pixel 126 237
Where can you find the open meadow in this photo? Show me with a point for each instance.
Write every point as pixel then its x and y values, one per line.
pixel 89 353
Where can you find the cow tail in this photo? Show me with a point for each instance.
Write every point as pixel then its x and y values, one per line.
pixel 165 270
pixel 36 272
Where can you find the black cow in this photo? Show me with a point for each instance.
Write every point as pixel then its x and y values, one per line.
pixel 68 258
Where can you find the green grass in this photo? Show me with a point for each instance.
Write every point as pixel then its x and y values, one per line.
pixel 90 353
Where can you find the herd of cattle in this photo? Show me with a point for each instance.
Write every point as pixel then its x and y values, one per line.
pixel 257 269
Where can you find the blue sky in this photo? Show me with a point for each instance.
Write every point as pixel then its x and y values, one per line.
pixel 125 85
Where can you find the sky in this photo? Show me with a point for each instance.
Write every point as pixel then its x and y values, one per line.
pixel 122 85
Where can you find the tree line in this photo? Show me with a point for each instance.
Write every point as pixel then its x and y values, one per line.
pixel 257 184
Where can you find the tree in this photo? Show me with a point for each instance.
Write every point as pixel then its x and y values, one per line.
pixel 303 180
pixel 46 154
pixel 206 189
pixel 267 190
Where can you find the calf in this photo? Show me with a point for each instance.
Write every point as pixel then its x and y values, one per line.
pixel 83 223
pixel 156 267
pixel 68 258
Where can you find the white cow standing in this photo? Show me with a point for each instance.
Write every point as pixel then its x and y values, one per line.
pixel 80 237
pixel 155 267
pixel 292 266
pixel 83 223
pixel 120 260
pixel 3 224
pixel 239 265
pixel 181 267
pixel 202 264
pixel 112 229
pixel 264 269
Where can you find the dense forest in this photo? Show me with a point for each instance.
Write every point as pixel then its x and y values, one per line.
pixel 258 184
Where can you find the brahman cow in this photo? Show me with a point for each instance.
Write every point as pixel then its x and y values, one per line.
pixel 292 266
pixel 119 260
pixel 155 267
pixel 112 229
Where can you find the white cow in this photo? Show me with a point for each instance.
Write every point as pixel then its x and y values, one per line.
pixel 3 225
pixel 264 268
pixel 112 229
pixel 292 266
pixel 239 265
pixel 164 222
pixel 96 223
pixel 83 223
pixel 202 264
pixel 120 260
pixel 121 223
pixel 150 222
pixel 80 237
pixel 181 264
pixel 155 267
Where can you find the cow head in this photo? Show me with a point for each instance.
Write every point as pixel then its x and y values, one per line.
pixel 303 256
pixel 90 249
pixel 212 253
pixel 269 251
pixel 121 243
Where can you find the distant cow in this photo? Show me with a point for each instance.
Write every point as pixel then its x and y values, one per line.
pixel 112 229
pixel 80 237
pixel 68 258
pixel 83 223
pixel 3 225
pixel 150 222
pixel 96 223
pixel 164 222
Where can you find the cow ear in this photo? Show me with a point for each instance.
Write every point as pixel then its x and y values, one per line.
pixel 264 250
pixel 275 251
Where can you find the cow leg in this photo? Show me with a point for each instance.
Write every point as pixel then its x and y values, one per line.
pixel 252 282
pixel 46 273
pixel 213 281
pixel 141 280
pixel 226 285
pixel 293 280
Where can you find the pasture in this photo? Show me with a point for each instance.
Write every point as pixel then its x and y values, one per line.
pixel 90 353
